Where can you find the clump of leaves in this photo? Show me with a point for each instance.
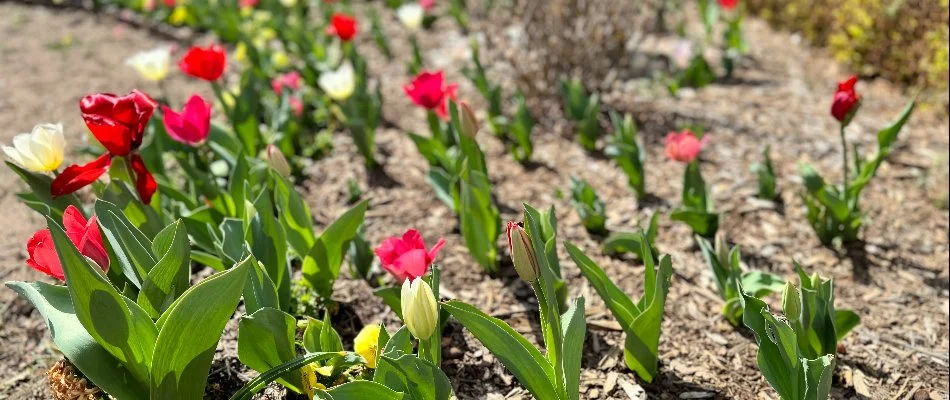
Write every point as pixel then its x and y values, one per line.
pixel 765 174
pixel 624 149
pixel 589 206
pixel 726 266
pixel 584 110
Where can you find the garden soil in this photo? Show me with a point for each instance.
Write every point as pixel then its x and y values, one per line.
pixel 896 278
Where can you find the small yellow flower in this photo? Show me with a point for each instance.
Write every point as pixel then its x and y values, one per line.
pixel 153 64
pixel 179 15
pixel 366 344
pixel 420 311
pixel 240 52
pixel 41 150
pixel 310 380
pixel 280 59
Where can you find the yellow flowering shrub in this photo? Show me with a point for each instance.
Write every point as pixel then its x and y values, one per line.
pixel 905 41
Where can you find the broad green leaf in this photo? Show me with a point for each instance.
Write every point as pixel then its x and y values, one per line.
pixel 294 216
pixel 547 302
pixel 189 332
pixel 266 340
pixel 102 369
pixel 130 246
pixel 620 305
pixel 845 321
pixel 640 350
pixel 140 215
pixel 40 186
pixel 360 390
pixel 170 275
pixel 760 283
pixel 233 244
pixel 259 291
pixel 479 218
pixel 518 355
pixel 321 266
pixel 311 335
pixel 119 325
pixel 417 378
pixel 623 242
pixel 269 246
pixel 399 343
pixel 575 328
pixel 254 385
pixel 702 223
pixel 329 338
pixel 819 374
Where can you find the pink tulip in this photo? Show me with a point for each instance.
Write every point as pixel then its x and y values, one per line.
pixel 290 80
pixel 684 146
pixel 191 126
pixel 406 257
pixel 427 4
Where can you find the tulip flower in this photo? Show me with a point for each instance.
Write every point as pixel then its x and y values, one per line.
pixel 428 90
pixel 207 63
pixel 343 26
pixel 85 235
pixel 41 150
pixel 118 123
pixel 366 344
pixel 846 100
pixel 684 146
pixel 406 258
pixel 469 122
pixel 192 125
pixel 152 64
pixel 247 3
pixel 339 84
pixel 420 311
pixel 522 253
pixel 728 4
pixel 290 80
pixel 427 4
pixel 277 161
pixel 411 15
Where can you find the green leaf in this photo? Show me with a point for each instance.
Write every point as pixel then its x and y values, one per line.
pixel 361 390
pixel 189 332
pixel 266 340
pixel 40 185
pixel 392 297
pixel 269 246
pixel 479 218
pixel 311 335
pixel 329 338
pixel 261 381
pixel 702 223
pixel 259 291
pixel 102 369
pixel 321 267
pixel 619 304
pixel 118 324
pixel 761 284
pixel 575 328
pixel 294 216
pixel 399 343
pixel 170 275
pixel 419 379
pixel 140 215
pixel 130 246
pixel 845 321
pixel 640 350
pixel 233 244
pixel 623 242
pixel 518 355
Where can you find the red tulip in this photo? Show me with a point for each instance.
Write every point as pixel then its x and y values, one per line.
pixel 191 126
pixel 290 80
pixel 85 235
pixel 247 3
pixel 76 177
pixel 429 90
pixel 406 257
pixel 846 99
pixel 297 106
pixel 684 146
pixel 343 26
pixel 427 4
pixel 206 63
pixel 728 4
pixel 117 122
pixel 144 181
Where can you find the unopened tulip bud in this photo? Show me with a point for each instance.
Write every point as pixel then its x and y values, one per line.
pixel 277 161
pixel 522 253
pixel 469 123
pixel 420 311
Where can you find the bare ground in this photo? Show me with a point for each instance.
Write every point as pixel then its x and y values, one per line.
pixel 896 279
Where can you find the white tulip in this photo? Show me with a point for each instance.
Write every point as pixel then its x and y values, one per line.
pixel 411 15
pixel 153 64
pixel 40 150
pixel 339 84
pixel 420 311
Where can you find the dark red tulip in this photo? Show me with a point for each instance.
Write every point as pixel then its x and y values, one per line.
pixel 343 26
pixel 117 122
pixel 206 63
pixel 76 177
pixel 144 181
pixel 845 100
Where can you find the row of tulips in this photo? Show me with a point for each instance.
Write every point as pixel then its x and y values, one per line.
pixel 187 191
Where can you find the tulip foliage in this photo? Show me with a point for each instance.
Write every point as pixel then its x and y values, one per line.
pixel 834 212
pixel 639 319
pixel 696 209
pixel 584 110
pixel 797 354
pixel 554 374
pixel 765 175
pixel 589 206
pixel 726 266
pixel 624 149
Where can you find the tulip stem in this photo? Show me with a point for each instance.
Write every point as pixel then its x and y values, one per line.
pixel 844 156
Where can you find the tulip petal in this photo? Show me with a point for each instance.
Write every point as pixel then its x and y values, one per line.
pixel 43 255
pixel 76 177
pixel 412 264
pixel 434 252
pixel 144 181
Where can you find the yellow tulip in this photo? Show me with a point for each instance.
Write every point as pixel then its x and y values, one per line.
pixel 40 150
pixel 179 15
pixel 153 64
pixel 420 311
pixel 280 59
pixel 366 344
